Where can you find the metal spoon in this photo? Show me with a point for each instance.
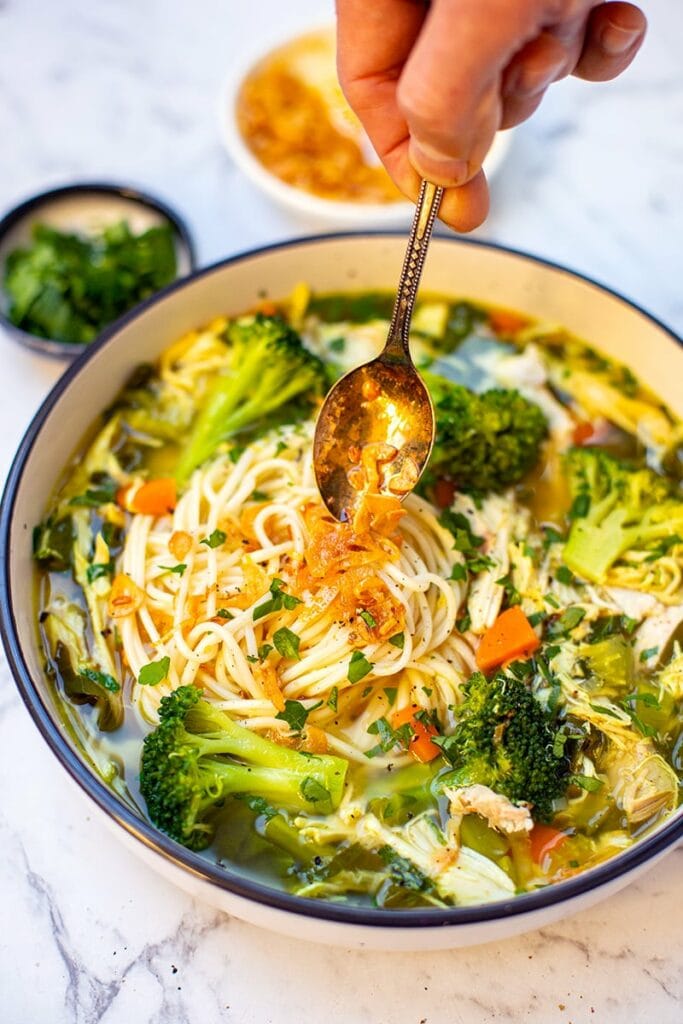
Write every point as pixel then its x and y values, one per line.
pixel 385 401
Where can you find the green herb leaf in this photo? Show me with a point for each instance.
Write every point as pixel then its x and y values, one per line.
pixel 264 650
pixel 398 640
pixel 102 678
pixel 588 782
pixel 333 699
pixel 102 494
pixel 259 496
pixel 313 791
pixel 155 672
pixel 337 345
pixel 287 643
pixel 359 667
pixel 368 619
pixel 278 599
pixel 391 692
pixel 177 569
pixel 215 539
pixel 99 569
pixel 404 871
pixel 223 613
pixel 648 653
pixel 565 575
pixel 295 714
pixel 458 572
pixel 568 620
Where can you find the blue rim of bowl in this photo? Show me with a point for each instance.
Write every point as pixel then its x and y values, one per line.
pixel 650 847
pixel 65 349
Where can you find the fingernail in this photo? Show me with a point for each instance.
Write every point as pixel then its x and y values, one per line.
pixel 442 170
pixel 616 40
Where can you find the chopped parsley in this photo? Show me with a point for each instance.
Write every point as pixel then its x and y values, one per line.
pixel 398 640
pixel 279 599
pixel 155 672
pixel 177 569
pixel 215 539
pixel 287 643
pixel 359 667
pixel 99 569
pixel 101 678
pixel 295 714
pixel 368 618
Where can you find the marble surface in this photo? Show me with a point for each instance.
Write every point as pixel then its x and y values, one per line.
pixel 128 91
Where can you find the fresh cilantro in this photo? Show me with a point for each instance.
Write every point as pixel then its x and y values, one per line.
pixel 536 618
pixel 391 692
pixel 99 569
pixel 403 871
pixel 458 572
pixel 177 569
pixel 388 736
pixel 463 623
pixel 398 640
pixel 359 667
pixel 295 714
pixel 264 650
pixel 313 791
pixel 568 620
pixel 101 678
pixel 278 599
pixel 223 613
pixel 215 539
pixel 155 672
pixel 588 782
pixel 512 595
pixel 565 575
pixel 368 618
pixel 103 493
pixel 287 643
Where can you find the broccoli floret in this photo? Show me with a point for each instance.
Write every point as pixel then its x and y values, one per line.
pixel 197 756
pixel 504 740
pixel 269 368
pixel 620 514
pixel 483 442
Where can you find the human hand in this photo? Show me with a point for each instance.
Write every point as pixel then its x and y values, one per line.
pixel 433 83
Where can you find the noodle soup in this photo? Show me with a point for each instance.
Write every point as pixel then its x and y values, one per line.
pixel 447 701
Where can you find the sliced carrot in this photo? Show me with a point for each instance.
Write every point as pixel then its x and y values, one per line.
pixel 544 839
pixel 444 492
pixel 156 497
pixel 582 431
pixel 420 746
pixel 506 323
pixel 511 636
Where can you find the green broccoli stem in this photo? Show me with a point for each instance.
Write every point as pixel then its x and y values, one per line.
pixel 285 787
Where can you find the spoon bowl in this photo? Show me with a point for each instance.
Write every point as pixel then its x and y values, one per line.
pixel 375 430
pixel 382 403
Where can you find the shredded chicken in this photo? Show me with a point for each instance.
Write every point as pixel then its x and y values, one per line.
pixel 499 812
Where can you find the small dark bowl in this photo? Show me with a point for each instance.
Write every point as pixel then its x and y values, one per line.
pixel 84 208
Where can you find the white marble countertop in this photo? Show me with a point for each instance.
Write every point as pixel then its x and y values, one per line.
pixel 128 91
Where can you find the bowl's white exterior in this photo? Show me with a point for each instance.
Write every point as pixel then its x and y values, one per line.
pixel 454 267
pixel 324 211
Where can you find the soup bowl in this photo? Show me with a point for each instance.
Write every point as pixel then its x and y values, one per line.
pixel 479 271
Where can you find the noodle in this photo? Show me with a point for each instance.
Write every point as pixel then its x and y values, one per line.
pixel 265 540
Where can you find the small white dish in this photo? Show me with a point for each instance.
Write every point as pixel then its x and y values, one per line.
pixel 296 200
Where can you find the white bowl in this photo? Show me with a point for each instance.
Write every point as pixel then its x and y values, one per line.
pixel 482 272
pixel 296 200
